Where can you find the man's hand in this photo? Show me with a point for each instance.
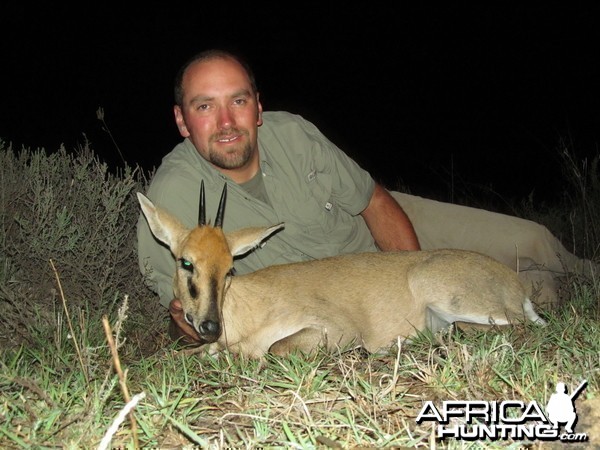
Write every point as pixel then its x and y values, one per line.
pixel 179 329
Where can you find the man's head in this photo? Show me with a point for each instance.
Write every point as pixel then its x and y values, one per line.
pixel 218 109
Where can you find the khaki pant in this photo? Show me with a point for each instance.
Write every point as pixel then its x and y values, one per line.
pixel 524 245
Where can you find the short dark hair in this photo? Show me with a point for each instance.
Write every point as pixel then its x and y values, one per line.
pixel 207 55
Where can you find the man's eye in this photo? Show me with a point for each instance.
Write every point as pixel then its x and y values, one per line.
pixel 202 107
pixel 240 101
pixel 186 265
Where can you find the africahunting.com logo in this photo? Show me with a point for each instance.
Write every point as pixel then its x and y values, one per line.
pixel 509 419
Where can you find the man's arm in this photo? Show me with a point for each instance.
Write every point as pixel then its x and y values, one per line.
pixel 390 226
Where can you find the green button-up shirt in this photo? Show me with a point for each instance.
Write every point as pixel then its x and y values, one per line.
pixel 312 186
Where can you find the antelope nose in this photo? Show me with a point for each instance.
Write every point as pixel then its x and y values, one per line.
pixel 209 327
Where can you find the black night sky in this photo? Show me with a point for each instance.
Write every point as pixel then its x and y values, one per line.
pixel 413 93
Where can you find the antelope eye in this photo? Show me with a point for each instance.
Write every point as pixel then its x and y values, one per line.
pixel 186 265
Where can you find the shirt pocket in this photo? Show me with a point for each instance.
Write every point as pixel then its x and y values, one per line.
pixel 323 212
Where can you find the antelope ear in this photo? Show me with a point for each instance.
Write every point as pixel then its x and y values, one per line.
pixel 163 225
pixel 243 241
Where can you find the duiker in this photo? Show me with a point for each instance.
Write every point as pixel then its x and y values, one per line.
pixel 369 299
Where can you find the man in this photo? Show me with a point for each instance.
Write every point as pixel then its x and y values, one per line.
pixel 280 168
pixel 561 408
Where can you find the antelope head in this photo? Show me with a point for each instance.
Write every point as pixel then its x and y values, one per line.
pixel 204 260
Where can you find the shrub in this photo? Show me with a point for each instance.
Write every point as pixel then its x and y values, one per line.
pixel 66 222
pixel 584 201
pixel 575 216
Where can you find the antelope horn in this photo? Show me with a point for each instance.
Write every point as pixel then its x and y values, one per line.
pixel 202 208
pixel 221 210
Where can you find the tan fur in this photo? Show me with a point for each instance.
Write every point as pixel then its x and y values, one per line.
pixel 368 299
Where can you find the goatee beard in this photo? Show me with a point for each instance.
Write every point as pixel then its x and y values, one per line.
pixel 231 160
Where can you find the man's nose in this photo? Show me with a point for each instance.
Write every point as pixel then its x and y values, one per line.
pixel 225 119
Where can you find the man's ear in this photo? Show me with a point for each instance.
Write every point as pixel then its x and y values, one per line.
pixel 179 120
pixel 259 121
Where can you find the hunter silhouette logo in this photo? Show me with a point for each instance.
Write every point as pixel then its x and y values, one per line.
pixel 561 406
pixel 475 420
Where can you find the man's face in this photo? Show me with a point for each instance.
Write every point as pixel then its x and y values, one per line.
pixel 220 113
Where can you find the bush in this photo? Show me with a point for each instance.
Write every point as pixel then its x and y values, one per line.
pixel 575 216
pixel 66 222
pixel 584 201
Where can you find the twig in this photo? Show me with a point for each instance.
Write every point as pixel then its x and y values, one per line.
pixel 121 375
pixel 392 384
pixel 127 409
pixel 330 443
pixel 100 116
pixel 32 386
pixel 64 303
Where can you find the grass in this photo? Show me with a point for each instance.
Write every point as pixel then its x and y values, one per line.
pixel 58 394
pixel 73 379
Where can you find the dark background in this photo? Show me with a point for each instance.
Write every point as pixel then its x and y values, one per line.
pixel 419 95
